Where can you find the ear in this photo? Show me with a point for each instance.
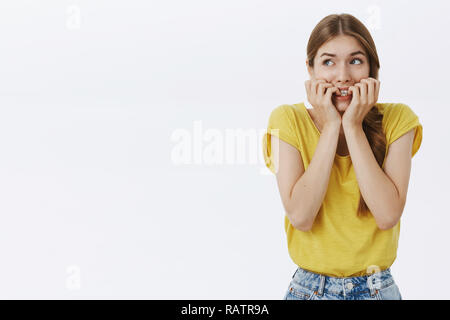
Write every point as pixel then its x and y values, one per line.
pixel 310 71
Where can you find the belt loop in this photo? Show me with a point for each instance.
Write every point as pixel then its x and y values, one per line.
pixel 321 285
pixel 373 291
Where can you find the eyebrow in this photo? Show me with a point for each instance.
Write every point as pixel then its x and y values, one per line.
pixel 351 54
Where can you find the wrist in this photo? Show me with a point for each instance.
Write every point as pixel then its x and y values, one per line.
pixel 351 126
pixel 332 126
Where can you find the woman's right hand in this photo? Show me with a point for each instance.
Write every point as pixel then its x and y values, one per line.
pixel 319 94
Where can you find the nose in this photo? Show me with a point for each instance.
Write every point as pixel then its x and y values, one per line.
pixel 343 74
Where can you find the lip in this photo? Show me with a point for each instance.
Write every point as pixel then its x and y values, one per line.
pixel 343 98
pixel 343 88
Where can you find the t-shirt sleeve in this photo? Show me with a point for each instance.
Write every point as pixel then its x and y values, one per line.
pixel 399 119
pixel 281 124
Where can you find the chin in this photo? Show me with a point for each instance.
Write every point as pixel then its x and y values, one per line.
pixel 342 106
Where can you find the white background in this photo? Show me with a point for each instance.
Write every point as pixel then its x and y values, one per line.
pixel 93 203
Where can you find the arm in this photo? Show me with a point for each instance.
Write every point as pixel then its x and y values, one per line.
pixel 383 192
pixel 303 191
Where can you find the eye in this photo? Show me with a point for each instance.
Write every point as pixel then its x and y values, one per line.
pixel 325 62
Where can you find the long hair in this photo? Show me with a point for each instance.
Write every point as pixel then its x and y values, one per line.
pixel 345 24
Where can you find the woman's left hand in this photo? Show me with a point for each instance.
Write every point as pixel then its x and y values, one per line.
pixel 364 97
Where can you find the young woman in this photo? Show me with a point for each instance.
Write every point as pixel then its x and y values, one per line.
pixel 342 169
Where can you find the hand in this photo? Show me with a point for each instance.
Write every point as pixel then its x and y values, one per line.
pixel 319 94
pixel 365 95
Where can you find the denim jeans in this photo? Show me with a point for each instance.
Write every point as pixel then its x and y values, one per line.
pixel 306 285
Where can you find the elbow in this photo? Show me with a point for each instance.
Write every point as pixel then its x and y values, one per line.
pixel 303 227
pixel 393 218
pixel 387 224
pixel 384 226
pixel 302 224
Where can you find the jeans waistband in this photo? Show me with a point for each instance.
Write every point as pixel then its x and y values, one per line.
pixel 319 282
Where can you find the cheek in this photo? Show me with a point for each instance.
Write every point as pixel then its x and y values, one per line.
pixel 362 74
pixel 323 74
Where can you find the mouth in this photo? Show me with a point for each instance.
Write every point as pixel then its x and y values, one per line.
pixel 343 92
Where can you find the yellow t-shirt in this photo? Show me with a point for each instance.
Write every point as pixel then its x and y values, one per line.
pixel 340 244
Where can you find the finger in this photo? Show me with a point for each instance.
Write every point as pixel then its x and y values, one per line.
pixel 377 89
pixel 330 91
pixel 370 83
pixel 371 90
pixel 355 92
pixel 362 92
pixel 362 89
pixel 322 88
pixel 316 85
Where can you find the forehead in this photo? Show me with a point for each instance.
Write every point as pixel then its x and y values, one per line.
pixel 341 45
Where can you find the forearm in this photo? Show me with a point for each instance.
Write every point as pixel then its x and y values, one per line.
pixel 310 189
pixel 377 189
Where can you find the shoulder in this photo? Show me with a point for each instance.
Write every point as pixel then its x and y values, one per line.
pixel 396 114
pixel 286 115
pixel 283 124
pixel 393 110
pixel 286 110
pixel 398 119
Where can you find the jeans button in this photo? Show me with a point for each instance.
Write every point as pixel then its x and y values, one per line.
pixel 349 286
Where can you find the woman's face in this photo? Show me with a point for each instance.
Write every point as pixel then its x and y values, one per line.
pixel 341 61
